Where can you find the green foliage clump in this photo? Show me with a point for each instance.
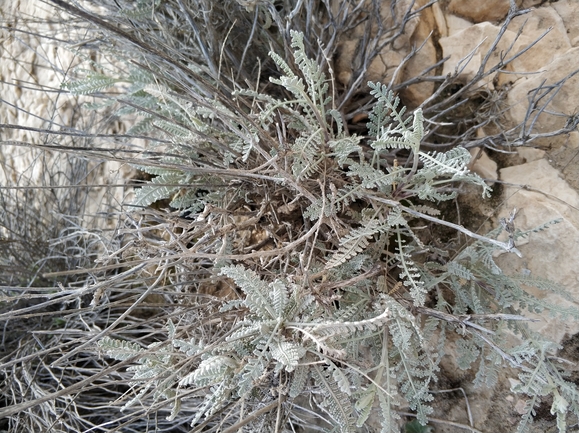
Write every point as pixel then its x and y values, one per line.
pixel 336 304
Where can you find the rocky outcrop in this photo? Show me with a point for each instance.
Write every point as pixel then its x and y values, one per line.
pixel 541 196
pixel 531 50
pixel 555 88
pixel 29 85
pixel 482 165
pixel 489 10
pixel 422 41
pixel 568 10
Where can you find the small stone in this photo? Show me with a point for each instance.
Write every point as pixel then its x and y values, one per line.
pixel 528 154
pixel 520 407
pixel 479 11
pixel 455 24
pixel 482 165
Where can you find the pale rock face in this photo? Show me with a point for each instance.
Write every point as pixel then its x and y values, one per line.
pixel 454 24
pixel 568 10
pixel 343 64
pixel 30 78
pixel 440 20
pixel 543 37
pixel 475 41
pixel 531 3
pixel 422 36
pixel 528 154
pixel 566 158
pixel 482 165
pixel 543 20
pixel 551 253
pixel 563 103
pixel 472 43
pixel 479 11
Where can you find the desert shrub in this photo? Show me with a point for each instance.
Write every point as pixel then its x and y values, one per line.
pixel 284 279
pixel 320 301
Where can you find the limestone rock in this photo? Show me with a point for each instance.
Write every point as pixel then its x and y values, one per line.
pixel 550 253
pixel 534 24
pixel 482 165
pixel 479 11
pixel 384 67
pixel 37 61
pixel 568 10
pixel 472 43
pixel 566 158
pixel 454 24
pixel 440 20
pixel 426 26
pixel 476 41
pixel 531 3
pixel 562 104
pixel 528 154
